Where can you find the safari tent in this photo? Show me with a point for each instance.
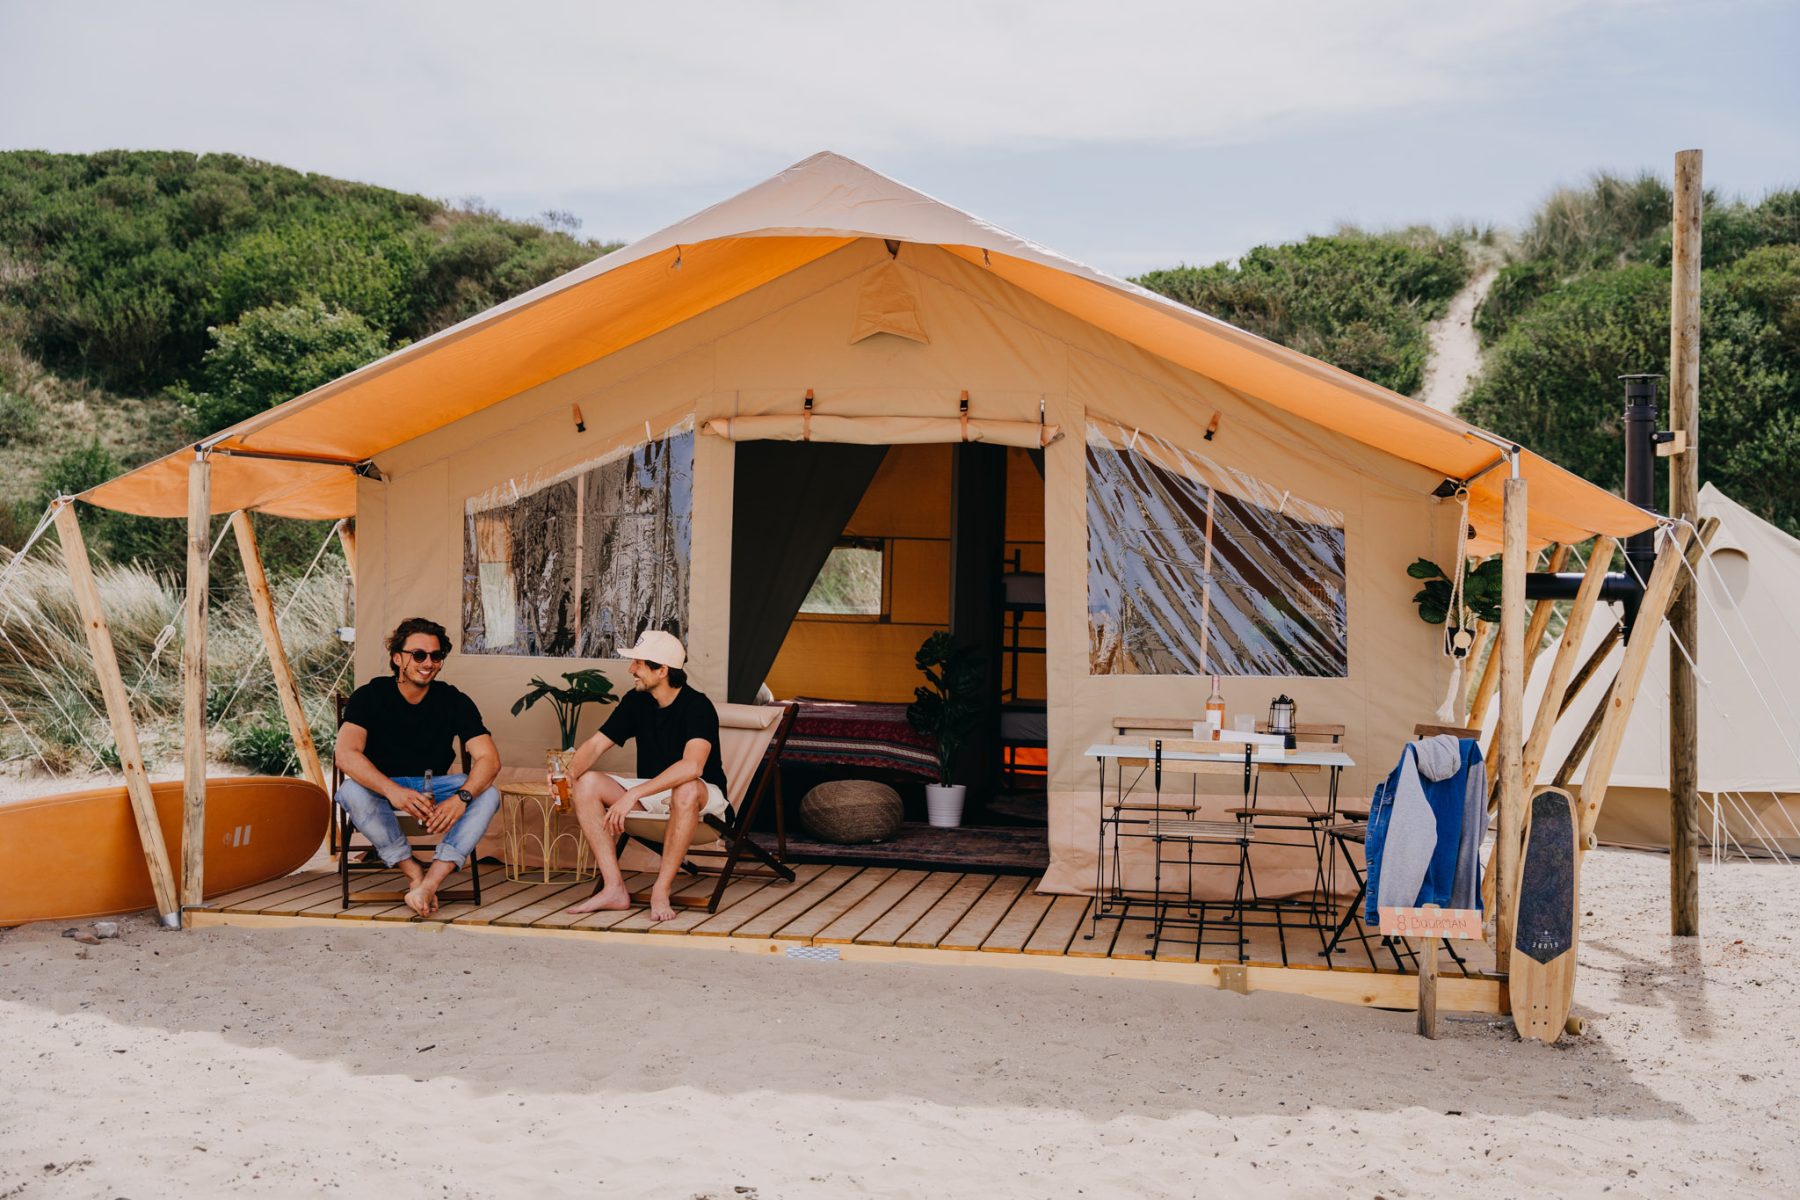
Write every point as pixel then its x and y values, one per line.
pixel 1748 667
pixel 678 434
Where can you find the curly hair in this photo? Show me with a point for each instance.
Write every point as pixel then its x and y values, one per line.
pixel 397 640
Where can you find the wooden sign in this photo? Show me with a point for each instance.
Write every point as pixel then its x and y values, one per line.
pixel 1460 924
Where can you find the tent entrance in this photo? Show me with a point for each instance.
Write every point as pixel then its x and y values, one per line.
pixel 845 558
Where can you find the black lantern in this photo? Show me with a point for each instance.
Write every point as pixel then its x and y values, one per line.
pixel 1281 720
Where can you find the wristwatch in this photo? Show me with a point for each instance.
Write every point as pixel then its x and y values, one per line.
pixel 465 795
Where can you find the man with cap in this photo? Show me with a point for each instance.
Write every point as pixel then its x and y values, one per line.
pixel 679 771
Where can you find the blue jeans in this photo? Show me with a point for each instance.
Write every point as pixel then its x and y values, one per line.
pixel 378 821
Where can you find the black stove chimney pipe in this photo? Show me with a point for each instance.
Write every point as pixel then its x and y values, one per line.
pixel 1641 438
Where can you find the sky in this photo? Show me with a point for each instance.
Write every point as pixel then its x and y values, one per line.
pixel 1128 135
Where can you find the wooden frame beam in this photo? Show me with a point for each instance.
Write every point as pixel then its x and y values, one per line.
pixel 286 689
pixel 118 712
pixel 193 685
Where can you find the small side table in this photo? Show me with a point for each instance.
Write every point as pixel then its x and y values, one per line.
pixel 527 822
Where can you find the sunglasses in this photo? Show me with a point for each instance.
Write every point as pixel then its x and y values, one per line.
pixel 420 656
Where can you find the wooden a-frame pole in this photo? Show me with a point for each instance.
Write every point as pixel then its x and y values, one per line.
pixel 193 686
pixel 1513 566
pixel 1617 704
pixel 1684 504
pixel 285 686
pixel 1541 612
pixel 118 712
pixel 1562 666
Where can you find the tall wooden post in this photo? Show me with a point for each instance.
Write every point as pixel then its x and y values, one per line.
pixel 346 531
pixel 193 686
pixel 285 686
pixel 1513 566
pixel 1684 502
pixel 118 712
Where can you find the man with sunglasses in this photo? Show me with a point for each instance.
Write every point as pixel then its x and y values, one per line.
pixel 397 731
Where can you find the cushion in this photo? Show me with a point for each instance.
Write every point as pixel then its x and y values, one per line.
pixel 848 812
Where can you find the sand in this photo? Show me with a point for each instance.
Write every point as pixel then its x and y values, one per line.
pixel 1455 349
pixel 362 1061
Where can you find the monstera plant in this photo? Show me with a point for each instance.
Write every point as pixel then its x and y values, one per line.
pixel 1481 591
pixel 582 688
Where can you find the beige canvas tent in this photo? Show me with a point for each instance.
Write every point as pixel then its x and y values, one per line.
pixel 592 456
pixel 1749 671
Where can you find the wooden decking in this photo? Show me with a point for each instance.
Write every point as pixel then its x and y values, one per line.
pixel 884 914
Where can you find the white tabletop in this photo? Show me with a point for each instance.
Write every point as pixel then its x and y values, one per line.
pixel 1291 758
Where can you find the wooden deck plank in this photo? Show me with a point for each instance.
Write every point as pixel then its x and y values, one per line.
pixel 985 915
pixel 930 929
pixel 268 887
pixel 765 923
pixel 494 905
pixel 735 891
pixel 491 895
pixel 807 925
pixel 607 918
pixel 1134 939
pixel 546 903
pixel 294 899
pixel 297 886
pixel 563 919
pixel 1020 922
pixel 1064 920
pixel 721 923
pixel 901 917
pixel 871 908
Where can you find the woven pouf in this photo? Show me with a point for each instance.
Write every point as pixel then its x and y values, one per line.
pixel 848 812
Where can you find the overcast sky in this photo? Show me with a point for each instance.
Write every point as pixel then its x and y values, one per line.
pixel 1128 135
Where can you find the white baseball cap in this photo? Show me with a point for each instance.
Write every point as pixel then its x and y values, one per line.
pixel 657 646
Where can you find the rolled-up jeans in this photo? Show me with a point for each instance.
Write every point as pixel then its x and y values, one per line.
pixel 378 821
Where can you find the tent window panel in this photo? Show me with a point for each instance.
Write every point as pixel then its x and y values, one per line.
pixel 583 564
pixel 1193 570
pixel 850 582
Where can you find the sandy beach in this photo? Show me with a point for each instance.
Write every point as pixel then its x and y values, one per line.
pixel 363 1061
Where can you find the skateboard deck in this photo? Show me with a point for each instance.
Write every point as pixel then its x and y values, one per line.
pixel 1541 982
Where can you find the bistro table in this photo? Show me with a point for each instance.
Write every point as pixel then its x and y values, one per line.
pixel 1175 820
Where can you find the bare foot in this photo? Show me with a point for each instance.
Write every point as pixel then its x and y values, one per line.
pixel 411 868
pixel 606 898
pixel 660 908
pixel 420 901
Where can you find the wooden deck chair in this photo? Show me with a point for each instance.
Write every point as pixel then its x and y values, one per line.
pixel 346 842
pixel 751 739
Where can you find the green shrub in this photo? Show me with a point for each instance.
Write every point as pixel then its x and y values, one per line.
pixel 1355 300
pixel 274 354
pixel 20 422
pixel 262 744
pixel 1516 288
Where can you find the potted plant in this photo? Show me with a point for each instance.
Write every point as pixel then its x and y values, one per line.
pixel 584 687
pixel 946 711
pixel 1480 599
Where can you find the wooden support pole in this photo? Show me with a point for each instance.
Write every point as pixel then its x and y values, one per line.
pixel 1470 674
pixel 193 686
pixel 1541 612
pixel 1684 503
pixel 1428 980
pixel 118 712
pixel 346 532
pixel 1514 565
pixel 285 686
pixel 1490 676
pixel 1613 635
pixel 1617 705
pixel 1550 704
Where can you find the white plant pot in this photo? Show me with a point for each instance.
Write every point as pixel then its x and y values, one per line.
pixel 944 805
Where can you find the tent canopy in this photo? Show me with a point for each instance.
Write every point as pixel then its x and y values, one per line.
pixel 299 459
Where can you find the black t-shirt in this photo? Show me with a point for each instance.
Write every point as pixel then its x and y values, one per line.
pixel 407 739
pixel 663 733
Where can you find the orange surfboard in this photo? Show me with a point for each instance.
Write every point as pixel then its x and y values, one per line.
pixel 77 854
